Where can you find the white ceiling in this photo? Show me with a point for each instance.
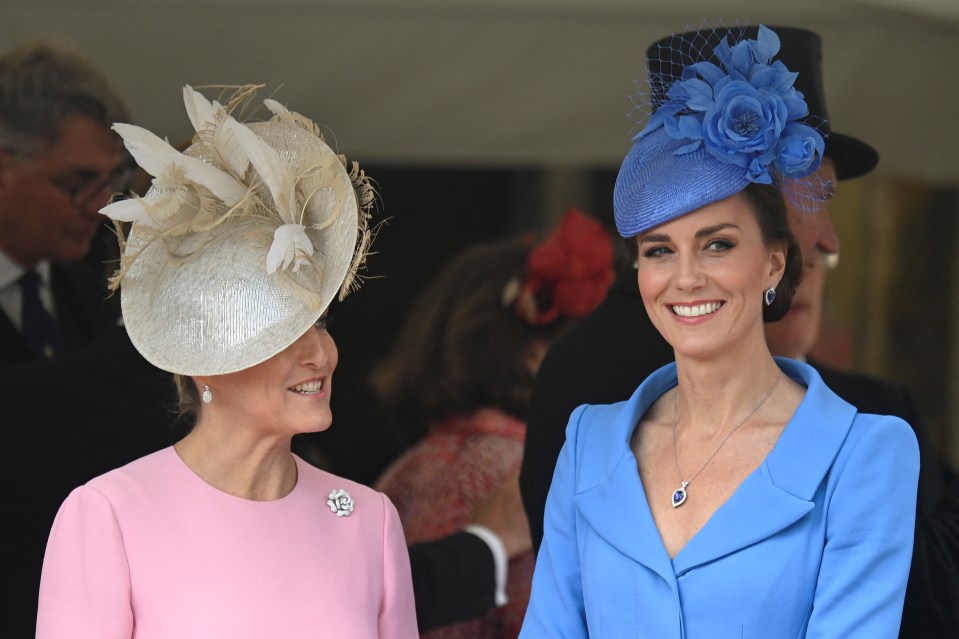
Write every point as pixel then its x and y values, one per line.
pixel 474 82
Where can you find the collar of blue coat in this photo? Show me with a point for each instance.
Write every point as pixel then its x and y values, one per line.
pixel 610 496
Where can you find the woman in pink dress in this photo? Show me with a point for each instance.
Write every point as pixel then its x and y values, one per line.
pixel 463 368
pixel 230 264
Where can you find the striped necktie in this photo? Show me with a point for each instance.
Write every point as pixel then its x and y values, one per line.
pixel 39 328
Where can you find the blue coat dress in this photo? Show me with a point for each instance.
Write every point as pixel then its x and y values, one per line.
pixel 816 542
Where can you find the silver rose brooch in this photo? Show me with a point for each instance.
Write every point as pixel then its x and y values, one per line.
pixel 340 503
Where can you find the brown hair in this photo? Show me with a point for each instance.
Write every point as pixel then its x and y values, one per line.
pixel 770 208
pixel 461 347
pixel 189 396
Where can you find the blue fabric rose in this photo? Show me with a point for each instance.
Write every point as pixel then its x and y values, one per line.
pixel 744 110
pixel 798 150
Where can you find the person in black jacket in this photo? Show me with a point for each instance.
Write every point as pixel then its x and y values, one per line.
pixel 65 421
pixel 608 354
pixel 59 164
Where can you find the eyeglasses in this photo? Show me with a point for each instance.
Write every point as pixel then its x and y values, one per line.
pixel 83 193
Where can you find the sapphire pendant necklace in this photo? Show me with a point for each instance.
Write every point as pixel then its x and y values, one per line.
pixel 679 495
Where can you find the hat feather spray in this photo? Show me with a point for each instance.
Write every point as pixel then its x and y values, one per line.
pixel 363 190
pixel 181 179
pixel 242 240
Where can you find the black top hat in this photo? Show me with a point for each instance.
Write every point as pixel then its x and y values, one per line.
pixel 800 51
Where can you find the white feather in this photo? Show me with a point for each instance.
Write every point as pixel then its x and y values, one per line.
pixel 220 183
pixel 290 245
pixel 229 147
pixel 151 152
pixel 176 201
pixel 130 210
pixel 155 155
pixel 276 108
pixel 275 173
pixel 204 113
pixel 198 108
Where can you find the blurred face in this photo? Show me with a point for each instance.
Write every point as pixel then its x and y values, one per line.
pixel 288 393
pixel 50 202
pixel 796 333
pixel 702 277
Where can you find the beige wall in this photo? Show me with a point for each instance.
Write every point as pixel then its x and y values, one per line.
pixel 893 299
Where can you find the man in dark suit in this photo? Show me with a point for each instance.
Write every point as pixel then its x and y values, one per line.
pixel 605 358
pixel 59 164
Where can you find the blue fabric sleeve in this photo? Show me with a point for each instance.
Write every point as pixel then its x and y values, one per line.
pixel 869 533
pixel 556 606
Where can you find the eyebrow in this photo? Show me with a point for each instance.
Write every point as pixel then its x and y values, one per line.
pixel 701 233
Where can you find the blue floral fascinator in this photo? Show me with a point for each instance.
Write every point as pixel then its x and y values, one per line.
pixel 722 117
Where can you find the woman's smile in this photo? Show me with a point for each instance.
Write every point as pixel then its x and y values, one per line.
pixel 310 387
pixel 695 310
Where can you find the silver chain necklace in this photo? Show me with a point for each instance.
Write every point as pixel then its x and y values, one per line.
pixel 679 495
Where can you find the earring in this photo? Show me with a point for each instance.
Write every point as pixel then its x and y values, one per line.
pixel 770 296
pixel 207 396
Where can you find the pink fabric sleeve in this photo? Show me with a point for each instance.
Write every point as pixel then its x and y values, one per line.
pixel 85 584
pixel 398 613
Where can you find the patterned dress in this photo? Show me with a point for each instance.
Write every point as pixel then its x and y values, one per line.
pixel 436 484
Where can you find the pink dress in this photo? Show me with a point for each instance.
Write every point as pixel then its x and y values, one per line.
pixel 151 551
pixel 437 483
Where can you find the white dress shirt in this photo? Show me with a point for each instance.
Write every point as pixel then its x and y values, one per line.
pixel 11 299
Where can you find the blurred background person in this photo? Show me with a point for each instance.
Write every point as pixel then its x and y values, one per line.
pixel 59 165
pixel 459 378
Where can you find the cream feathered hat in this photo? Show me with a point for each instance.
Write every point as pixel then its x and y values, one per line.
pixel 242 240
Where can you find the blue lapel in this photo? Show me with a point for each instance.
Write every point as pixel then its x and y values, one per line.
pixel 610 495
pixel 617 510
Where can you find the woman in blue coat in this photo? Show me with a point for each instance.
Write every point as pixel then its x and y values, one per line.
pixel 733 495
